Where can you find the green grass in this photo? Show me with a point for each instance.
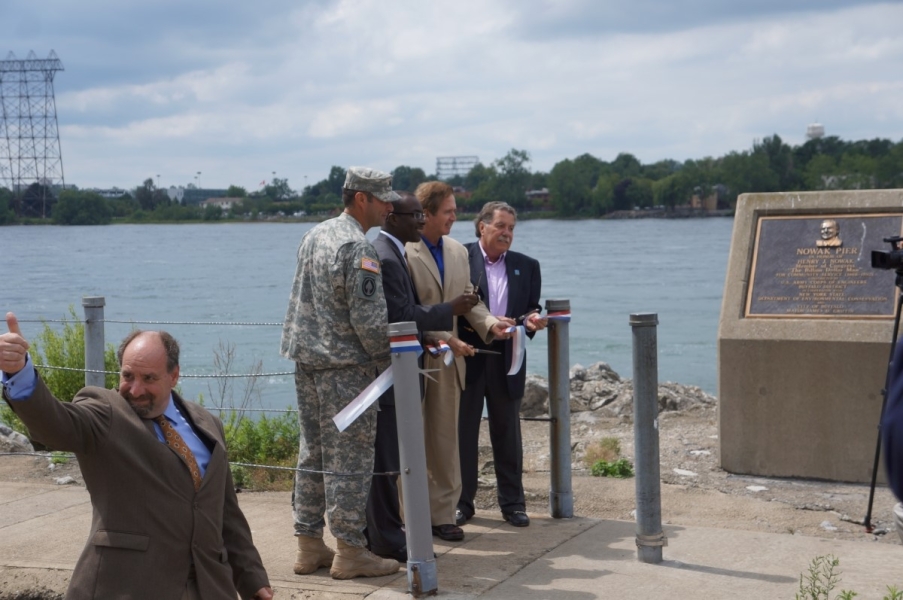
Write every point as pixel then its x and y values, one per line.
pixel 620 469
pixel 264 441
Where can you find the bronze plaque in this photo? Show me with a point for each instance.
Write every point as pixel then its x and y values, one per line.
pixel 820 267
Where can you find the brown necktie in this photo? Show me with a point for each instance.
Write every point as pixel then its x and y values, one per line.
pixel 175 441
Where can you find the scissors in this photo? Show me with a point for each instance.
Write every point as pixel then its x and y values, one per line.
pixel 524 316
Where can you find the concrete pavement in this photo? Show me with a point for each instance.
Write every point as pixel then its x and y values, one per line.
pixel 43 529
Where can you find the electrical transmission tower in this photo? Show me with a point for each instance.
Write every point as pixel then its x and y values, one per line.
pixel 29 136
pixel 449 166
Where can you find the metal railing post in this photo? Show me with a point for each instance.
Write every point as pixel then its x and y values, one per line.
pixel 422 573
pixel 649 536
pixel 561 496
pixel 94 340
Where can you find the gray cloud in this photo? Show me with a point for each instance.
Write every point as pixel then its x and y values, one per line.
pixel 239 91
pixel 556 19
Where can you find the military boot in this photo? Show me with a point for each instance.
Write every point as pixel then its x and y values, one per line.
pixel 351 561
pixel 312 554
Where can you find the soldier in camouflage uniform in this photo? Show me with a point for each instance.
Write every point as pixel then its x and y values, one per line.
pixel 336 332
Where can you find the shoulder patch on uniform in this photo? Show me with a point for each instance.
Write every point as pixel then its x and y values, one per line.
pixel 369 264
pixel 366 285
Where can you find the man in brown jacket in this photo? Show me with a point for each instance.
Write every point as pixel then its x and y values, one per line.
pixel 166 522
pixel 441 271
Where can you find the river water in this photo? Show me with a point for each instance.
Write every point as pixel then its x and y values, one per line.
pixel 241 273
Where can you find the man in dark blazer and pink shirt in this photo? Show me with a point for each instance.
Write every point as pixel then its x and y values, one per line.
pixel 165 525
pixel 510 284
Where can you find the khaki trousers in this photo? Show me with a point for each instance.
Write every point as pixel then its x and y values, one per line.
pixel 441 402
pixel 440 435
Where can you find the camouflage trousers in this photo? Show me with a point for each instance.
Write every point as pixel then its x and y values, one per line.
pixel 341 497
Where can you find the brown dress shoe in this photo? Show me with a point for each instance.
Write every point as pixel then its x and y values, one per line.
pixel 448 532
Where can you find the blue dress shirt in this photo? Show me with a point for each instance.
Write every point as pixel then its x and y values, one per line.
pixel 21 385
pixel 436 251
pixel 181 425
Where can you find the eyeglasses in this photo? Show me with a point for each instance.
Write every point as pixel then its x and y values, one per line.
pixel 418 215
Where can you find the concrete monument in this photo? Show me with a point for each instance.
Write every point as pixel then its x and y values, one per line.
pixel 805 333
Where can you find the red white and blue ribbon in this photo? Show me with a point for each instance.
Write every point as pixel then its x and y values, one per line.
pixel 559 315
pixel 371 393
pixel 355 408
pixel 405 343
pixel 441 349
pixel 519 348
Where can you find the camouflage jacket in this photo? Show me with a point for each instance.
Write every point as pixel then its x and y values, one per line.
pixel 336 313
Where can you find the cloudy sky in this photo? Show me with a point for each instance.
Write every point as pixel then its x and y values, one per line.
pixel 238 90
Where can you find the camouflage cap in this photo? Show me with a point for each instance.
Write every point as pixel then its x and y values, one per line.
pixel 365 179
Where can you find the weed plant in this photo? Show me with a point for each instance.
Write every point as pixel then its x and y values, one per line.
pixel 604 459
pixel 607 449
pixel 823 576
pixel 262 441
pixel 620 469
pixel 271 441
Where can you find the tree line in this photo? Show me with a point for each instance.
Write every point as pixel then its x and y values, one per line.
pixel 585 186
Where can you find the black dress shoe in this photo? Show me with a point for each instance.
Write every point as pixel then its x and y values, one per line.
pixel 448 532
pixel 518 518
pixel 460 518
pixel 401 555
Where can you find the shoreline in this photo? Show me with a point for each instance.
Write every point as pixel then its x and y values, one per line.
pixel 677 213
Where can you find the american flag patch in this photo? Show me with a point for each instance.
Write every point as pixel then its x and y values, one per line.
pixel 368 264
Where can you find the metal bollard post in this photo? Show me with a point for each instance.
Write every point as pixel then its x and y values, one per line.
pixel 561 496
pixel 649 536
pixel 422 574
pixel 94 340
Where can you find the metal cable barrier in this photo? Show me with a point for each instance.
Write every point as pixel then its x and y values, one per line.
pixel 221 409
pixel 70 456
pixel 95 375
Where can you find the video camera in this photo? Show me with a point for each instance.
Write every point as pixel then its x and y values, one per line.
pixel 889 260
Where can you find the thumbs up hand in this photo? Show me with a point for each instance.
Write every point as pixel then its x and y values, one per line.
pixel 13 347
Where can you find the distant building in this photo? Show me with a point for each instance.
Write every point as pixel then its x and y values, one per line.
pixel 540 195
pixel 194 196
pixel 223 203
pixel 716 200
pixel 461 192
pixel 815 131
pixel 113 192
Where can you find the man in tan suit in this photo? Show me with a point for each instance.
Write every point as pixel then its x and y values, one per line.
pixel 166 522
pixel 441 271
